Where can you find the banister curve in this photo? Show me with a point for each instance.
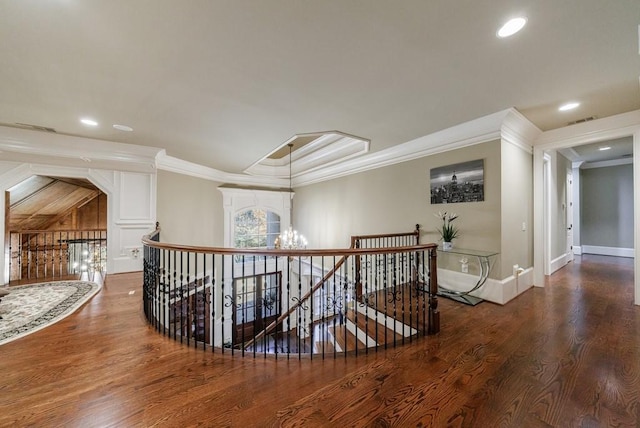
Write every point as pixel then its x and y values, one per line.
pixel 380 292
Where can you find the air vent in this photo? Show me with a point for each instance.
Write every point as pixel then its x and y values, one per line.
pixel 586 119
pixel 35 127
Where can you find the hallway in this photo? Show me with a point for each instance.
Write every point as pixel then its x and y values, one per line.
pixel 567 355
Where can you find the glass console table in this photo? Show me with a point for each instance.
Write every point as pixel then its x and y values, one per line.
pixel 484 262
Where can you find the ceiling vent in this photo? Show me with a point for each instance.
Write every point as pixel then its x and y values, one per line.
pixel 586 119
pixel 35 127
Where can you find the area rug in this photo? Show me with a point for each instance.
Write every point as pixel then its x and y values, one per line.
pixel 29 308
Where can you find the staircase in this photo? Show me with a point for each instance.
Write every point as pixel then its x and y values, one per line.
pixel 360 329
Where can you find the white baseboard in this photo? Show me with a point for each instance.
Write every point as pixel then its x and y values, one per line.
pixel 608 251
pixel 494 290
pixel 558 263
pixel 577 250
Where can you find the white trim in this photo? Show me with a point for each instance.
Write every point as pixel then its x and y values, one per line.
pixel 577 250
pixel 477 131
pixel 559 262
pixel 607 163
pixel 608 251
pixel 636 212
pixel 24 145
pixel 494 290
pixel 330 148
pixel 613 127
pixel 519 131
pixel 179 166
pixel 608 128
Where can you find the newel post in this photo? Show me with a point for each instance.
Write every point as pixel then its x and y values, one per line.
pixel 434 313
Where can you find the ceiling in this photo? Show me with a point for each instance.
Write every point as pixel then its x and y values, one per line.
pixel 38 202
pixel 620 149
pixel 224 84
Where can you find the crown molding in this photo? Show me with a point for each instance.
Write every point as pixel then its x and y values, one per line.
pixel 519 131
pixel 477 131
pixel 179 166
pixel 487 128
pixel 607 128
pixel 24 145
pixel 330 148
pixel 604 164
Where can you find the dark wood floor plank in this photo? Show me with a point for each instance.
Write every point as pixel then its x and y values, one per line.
pixel 567 355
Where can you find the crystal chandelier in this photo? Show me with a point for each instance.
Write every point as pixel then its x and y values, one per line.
pixel 290 239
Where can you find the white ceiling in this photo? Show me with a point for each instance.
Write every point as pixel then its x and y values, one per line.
pixel 225 83
pixel 620 149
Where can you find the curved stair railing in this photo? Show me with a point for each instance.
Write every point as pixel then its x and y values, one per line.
pixel 379 293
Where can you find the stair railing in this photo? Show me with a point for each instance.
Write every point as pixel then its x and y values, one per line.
pixel 292 302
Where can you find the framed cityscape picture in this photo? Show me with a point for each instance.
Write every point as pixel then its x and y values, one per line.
pixel 461 182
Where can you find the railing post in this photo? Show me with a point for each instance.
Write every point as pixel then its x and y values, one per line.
pixel 434 313
pixel 358 279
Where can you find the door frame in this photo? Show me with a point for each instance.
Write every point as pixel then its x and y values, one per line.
pixel 622 125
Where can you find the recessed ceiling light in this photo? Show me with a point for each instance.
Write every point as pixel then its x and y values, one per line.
pixel 602 149
pixel 512 27
pixel 123 128
pixel 568 106
pixel 89 122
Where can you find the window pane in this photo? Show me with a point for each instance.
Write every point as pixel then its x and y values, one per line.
pixel 256 228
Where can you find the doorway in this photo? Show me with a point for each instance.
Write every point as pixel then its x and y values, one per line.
pixel 586 153
pixel 258 304
pixel 55 228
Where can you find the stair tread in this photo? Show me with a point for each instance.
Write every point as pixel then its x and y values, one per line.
pixel 377 331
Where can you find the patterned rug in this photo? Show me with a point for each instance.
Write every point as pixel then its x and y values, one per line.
pixel 29 308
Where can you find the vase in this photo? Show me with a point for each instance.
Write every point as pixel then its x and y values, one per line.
pixel 446 246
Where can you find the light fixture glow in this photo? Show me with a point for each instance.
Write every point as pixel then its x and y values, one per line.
pixel 89 122
pixel 124 128
pixel 290 239
pixel 602 149
pixel 512 27
pixel 568 106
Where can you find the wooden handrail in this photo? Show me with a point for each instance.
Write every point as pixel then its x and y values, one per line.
pixel 283 252
pixel 355 240
pixel 398 247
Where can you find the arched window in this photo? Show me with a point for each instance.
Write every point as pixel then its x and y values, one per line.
pixel 256 228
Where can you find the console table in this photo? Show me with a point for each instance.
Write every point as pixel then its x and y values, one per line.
pixel 484 262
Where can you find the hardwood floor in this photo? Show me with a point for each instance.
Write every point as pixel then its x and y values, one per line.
pixel 567 355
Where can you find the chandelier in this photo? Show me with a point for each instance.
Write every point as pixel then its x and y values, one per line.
pixel 290 239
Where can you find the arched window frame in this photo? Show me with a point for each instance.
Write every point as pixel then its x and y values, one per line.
pixel 236 201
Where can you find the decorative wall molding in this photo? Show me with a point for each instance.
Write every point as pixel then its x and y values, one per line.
pixel 235 200
pixel 329 148
pixel 121 233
